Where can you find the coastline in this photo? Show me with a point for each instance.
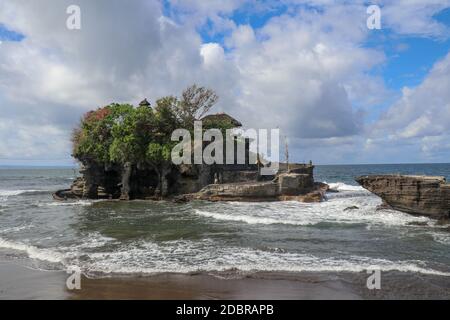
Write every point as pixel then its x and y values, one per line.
pixel 324 249
pixel 208 287
pixel 17 281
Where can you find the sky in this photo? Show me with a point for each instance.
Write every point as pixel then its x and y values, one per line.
pixel 340 92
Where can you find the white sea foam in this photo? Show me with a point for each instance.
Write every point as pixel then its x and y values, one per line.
pixel 248 219
pixel 300 214
pixel 8 193
pixel 64 204
pixel 95 253
pixel 184 256
pixel 348 191
pixel 32 251
pixel 340 186
pixel 55 255
pixel 16 229
pixel 188 256
pixel 440 237
pixel 11 193
pixel 95 240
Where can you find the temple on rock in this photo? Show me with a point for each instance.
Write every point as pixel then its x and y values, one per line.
pixel 103 131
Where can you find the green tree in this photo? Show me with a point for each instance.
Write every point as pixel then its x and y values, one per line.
pixel 130 136
pixel 158 156
pixel 194 104
pixel 92 138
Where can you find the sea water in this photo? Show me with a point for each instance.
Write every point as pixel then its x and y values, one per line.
pixel 105 238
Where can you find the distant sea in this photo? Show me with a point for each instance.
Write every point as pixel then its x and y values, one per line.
pixel 145 238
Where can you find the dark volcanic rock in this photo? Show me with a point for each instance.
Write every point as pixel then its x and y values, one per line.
pixel 419 195
pixel 260 191
pixel 239 191
pixel 417 224
pixel 294 183
pixel 187 182
pixel 383 206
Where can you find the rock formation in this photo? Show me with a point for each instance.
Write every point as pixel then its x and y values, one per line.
pixel 419 195
pixel 188 182
pixel 126 153
pixel 285 187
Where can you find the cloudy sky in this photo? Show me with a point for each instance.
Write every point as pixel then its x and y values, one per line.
pixel 340 92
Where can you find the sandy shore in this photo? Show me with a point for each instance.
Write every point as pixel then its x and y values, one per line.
pixel 18 281
pixel 21 282
pixel 209 287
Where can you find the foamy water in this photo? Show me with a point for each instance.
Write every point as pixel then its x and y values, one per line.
pixel 204 256
pixel 339 209
pixel 10 193
pixel 345 233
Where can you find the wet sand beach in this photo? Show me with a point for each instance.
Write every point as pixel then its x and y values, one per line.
pixel 208 287
pixel 21 282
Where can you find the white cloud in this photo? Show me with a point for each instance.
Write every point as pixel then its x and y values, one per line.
pixel 424 110
pixel 419 119
pixel 297 72
pixel 213 55
pixel 304 71
pixel 416 17
pixel 44 142
pixel 405 17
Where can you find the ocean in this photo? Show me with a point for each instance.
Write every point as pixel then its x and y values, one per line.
pixel 229 239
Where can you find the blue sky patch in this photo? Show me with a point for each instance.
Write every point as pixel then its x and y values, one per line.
pixel 9 35
pixel 443 17
pixel 408 59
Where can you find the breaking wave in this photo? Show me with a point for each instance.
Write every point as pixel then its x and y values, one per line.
pixel 346 233
pixel 334 211
pixel 32 251
pixel 247 219
pixel 12 193
pixel 182 256
pixel 67 203
pixel 340 186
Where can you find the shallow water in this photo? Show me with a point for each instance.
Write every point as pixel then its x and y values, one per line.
pixel 140 237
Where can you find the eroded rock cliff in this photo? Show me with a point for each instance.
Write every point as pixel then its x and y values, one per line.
pixel 419 195
pixel 285 187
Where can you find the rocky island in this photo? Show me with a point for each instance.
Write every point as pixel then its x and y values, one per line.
pixel 418 195
pixel 125 153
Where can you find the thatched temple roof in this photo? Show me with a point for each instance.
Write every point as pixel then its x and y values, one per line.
pixel 144 103
pixel 221 117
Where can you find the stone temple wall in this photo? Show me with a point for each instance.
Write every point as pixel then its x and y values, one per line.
pixel 140 182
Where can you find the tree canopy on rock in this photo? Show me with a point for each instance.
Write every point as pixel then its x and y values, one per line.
pixel 122 133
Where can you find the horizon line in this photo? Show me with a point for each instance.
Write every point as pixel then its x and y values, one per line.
pixel 2 166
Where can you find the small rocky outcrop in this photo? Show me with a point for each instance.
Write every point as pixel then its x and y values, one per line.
pixel 294 183
pixel 255 191
pixel 285 187
pixel 418 195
